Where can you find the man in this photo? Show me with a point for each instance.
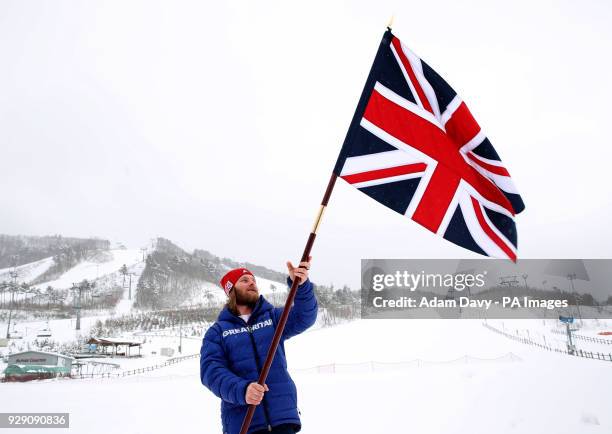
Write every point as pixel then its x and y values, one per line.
pixel 235 347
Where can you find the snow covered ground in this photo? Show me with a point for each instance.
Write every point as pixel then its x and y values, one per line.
pixel 63 330
pixel 531 391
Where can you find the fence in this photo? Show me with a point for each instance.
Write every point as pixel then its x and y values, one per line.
pixel 169 334
pixel 376 366
pixel 577 353
pixel 136 371
pixel 586 338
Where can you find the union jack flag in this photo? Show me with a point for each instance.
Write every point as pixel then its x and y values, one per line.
pixel 414 146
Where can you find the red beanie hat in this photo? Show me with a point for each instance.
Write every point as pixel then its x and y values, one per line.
pixel 231 277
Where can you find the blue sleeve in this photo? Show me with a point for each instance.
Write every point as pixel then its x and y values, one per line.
pixel 214 371
pixel 303 313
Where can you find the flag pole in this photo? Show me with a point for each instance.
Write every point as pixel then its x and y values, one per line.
pixel 292 292
pixel 369 85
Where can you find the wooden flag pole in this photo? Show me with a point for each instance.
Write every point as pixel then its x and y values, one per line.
pixel 313 234
pixel 283 319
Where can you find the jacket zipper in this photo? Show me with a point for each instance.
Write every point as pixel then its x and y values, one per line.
pixel 265 406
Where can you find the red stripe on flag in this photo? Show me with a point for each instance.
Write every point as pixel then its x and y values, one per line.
pixel 385 173
pixel 422 135
pixel 491 234
pixel 436 198
pixel 489 167
pixel 462 127
pixel 398 48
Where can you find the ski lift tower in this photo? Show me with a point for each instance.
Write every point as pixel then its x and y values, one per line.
pixel 13 288
pixel 450 295
pixel 567 320
pixel 571 277
pixel 130 283
pixel 79 288
pixel 571 269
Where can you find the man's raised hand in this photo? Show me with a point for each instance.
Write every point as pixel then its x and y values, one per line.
pixel 301 271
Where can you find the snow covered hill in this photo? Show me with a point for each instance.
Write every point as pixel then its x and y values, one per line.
pixel 101 265
pixel 27 272
pixel 104 269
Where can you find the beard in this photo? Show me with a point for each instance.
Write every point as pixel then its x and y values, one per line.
pixel 247 298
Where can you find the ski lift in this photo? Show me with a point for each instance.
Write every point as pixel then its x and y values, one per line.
pixel 508 281
pixel 16 334
pixel 45 332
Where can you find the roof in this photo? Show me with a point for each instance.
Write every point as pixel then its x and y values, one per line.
pixel 42 352
pixel 114 341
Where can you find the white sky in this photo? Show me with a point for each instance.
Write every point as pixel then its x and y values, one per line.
pixel 217 124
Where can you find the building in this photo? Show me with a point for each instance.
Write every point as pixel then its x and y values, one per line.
pixel 36 365
pixel 115 346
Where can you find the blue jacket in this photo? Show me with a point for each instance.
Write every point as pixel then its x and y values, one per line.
pixel 233 353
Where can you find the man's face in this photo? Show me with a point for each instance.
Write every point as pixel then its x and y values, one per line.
pixel 246 290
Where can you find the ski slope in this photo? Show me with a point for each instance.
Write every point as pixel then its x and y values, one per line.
pixel 533 392
pixel 126 303
pixel 27 272
pixel 109 263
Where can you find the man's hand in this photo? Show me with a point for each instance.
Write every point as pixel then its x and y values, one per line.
pixel 301 272
pixel 254 393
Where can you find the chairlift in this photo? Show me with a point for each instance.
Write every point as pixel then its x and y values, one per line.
pixel 508 281
pixel 44 332
pixel 16 334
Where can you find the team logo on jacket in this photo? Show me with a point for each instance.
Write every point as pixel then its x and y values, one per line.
pixel 254 327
